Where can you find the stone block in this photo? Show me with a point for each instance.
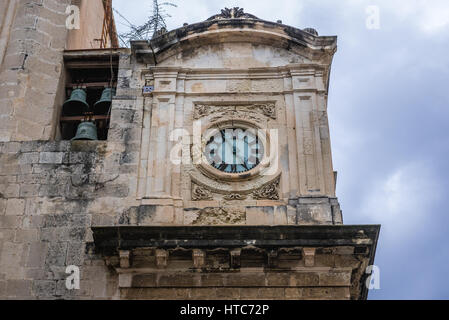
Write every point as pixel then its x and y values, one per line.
pixel 280 215
pixel 304 279
pixel 2 206
pixel 31 147
pixel 56 255
pixel 227 293
pixel 2 289
pixel 260 215
pixel 29 158
pixel 176 280
pixel 27 130
pixel 29 190
pixel 245 280
pixel 335 278
pixel 293 293
pixel 278 279
pixel 37 254
pixel 249 293
pixel 271 293
pixel 325 260
pixel 44 288
pixel 35 273
pixel 7 222
pixel 51 157
pixel 12 191
pixel 15 207
pixel 203 293
pixel 75 253
pixel 143 280
pixel 155 294
pixel 26 236
pixel 212 280
pixel 18 288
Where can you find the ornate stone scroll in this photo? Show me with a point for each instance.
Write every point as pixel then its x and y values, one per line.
pixel 200 193
pixel 268 109
pixel 232 13
pixel 268 192
pixel 234 196
pixel 201 111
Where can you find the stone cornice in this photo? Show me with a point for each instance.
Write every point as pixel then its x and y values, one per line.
pixel 236 30
pixel 356 240
pixel 111 239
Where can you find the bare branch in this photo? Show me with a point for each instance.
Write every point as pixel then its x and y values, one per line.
pixel 154 26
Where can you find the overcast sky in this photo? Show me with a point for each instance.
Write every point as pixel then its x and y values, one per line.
pixel 389 119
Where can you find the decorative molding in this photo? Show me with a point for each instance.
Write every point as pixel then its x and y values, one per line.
pixel 268 192
pixel 266 109
pixel 161 258
pixel 235 258
pixel 201 111
pixel 220 216
pixel 199 258
pixel 125 257
pixel 235 196
pixel 272 258
pixel 232 13
pixel 309 256
pixel 200 193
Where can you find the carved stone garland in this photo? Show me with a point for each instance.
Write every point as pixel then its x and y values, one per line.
pixel 200 193
pixel 235 196
pixel 269 191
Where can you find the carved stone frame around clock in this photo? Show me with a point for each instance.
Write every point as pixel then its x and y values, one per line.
pixel 264 138
pixel 260 183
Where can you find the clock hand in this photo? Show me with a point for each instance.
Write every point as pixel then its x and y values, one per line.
pixel 237 153
pixel 232 147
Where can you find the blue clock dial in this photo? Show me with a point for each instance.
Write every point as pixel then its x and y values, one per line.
pixel 234 150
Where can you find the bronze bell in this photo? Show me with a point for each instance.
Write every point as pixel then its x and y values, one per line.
pixel 102 106
pixel 77 104
pixel 86 131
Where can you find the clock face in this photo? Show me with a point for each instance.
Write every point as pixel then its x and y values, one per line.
pixel 234 150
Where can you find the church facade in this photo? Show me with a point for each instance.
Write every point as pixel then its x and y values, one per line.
pixel 209 177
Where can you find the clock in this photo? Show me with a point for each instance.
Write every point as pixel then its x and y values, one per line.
pixel 234 150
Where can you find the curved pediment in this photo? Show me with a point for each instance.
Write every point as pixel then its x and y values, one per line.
pixel 233 55
pixel 218 36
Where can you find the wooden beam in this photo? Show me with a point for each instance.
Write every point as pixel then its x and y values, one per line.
pixel 91 85
pixel 81 118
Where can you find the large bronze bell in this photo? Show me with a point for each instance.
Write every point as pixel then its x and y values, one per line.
pixel 77 104
pixel 102 106
pixel 86 131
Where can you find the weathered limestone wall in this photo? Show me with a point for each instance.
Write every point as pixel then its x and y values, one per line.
pixel 50 194
pixel 31 70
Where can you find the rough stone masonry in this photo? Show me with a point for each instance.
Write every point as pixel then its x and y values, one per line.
pixel 141 226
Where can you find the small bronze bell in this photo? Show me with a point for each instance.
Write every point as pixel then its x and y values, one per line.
pixel 77 104
pixel 86 131
pixel 102 106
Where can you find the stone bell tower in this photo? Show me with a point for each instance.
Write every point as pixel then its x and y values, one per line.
pixel 235 193
pixel 210 176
